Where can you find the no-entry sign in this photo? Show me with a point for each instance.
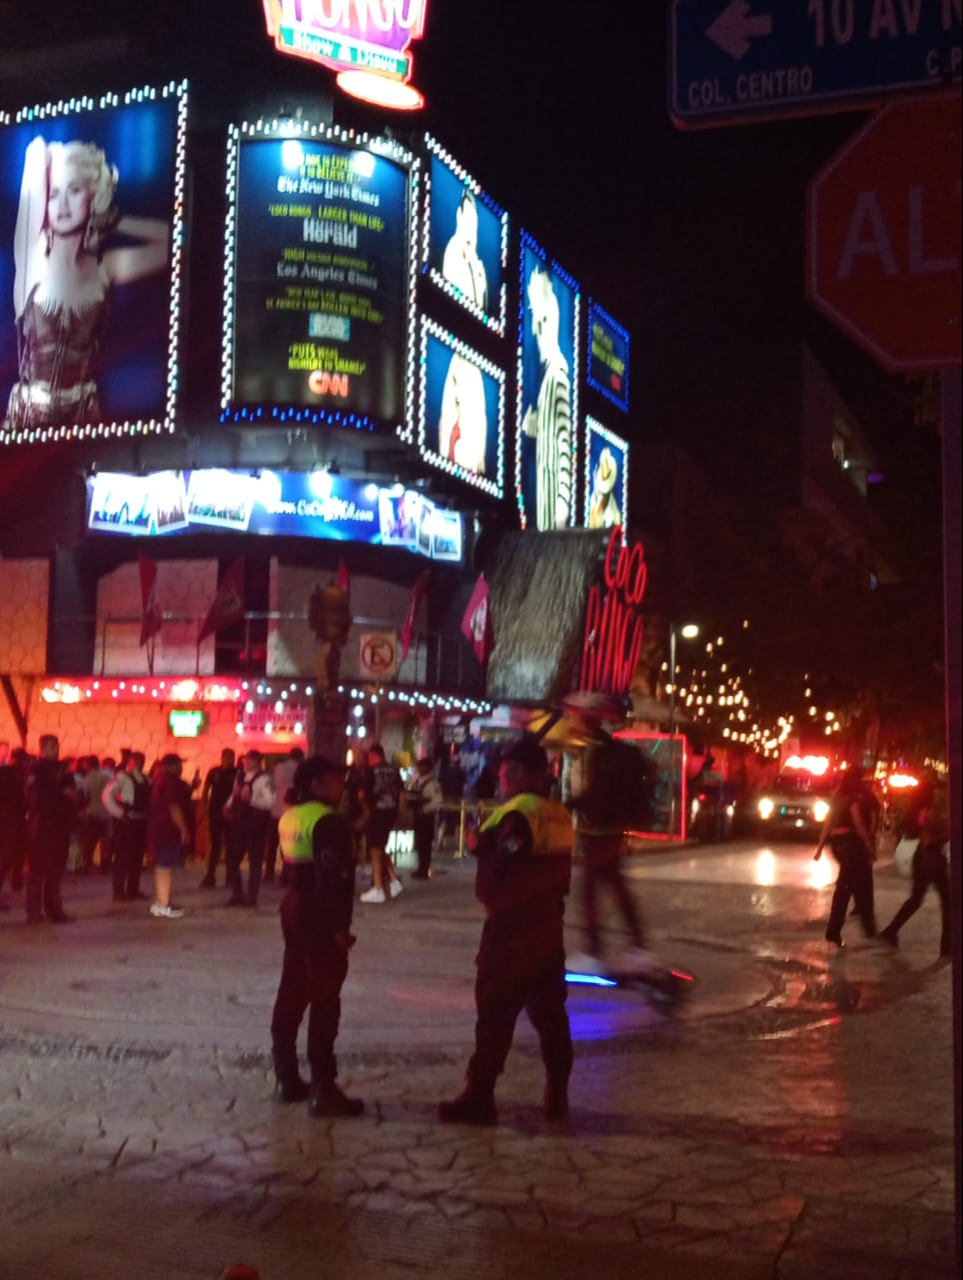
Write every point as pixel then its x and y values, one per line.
pixel 378 655
pixel 883 236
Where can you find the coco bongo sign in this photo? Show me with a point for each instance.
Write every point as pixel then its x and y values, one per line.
pixel 349 35
pixel 613 619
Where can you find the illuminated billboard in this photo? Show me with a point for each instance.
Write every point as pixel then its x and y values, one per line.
pixel 547 405
pixel 606 477
pixel 318 280
pixel 91 207
pixel 607 357
pixel 465 248
pixel 284 504
pixel 461 426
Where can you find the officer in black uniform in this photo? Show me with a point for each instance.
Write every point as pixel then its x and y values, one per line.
pixel 319 863
pixel 52 804
pixel 524 853
pixel 850 829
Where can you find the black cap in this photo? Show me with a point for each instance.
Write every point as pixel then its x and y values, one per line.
pixel 528 753
pixel 315 767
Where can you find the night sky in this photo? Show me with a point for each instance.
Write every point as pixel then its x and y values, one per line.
pixel 693 240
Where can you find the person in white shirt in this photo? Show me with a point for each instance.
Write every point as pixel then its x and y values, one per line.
pixel 427 798
pixel 249 814
pixel 282 779
pixel 126 798
pixel 96 823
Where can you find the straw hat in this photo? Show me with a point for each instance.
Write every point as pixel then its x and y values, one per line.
pixel 607 471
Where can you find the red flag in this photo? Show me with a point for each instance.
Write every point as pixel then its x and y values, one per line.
pixel 228 604
pixel 344 577
pixel 417 595
pixel 476 626
pixel 150 610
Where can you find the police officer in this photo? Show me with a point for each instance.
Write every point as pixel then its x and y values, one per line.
pixel 524 853
pixel 319 862
pixel 850 830
pixel 52 804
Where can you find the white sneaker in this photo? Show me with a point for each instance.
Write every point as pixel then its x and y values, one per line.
pixel 167 913
pixel 396 887
pixel 373 895
pixel 577 962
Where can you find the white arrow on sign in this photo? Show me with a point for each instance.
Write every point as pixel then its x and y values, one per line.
pixel 735 27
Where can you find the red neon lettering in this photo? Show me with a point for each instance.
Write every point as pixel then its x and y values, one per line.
pixel 613 630
pixel 592 615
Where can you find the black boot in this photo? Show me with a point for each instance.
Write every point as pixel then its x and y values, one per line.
pixel 556 1100
pixel 293 1089
pixel 327 1100
pixel 472 1106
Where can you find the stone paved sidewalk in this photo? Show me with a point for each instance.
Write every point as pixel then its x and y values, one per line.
pixel 795 1123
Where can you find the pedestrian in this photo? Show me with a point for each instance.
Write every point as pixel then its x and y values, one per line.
pixel 218 787
pixel 282 779
pixel 383 798
pixel 249 817
pixel 319 869
pixel 426 800
pixel 524 852
pixel 930 868
pixel 127 799
pixel 13 811
pixel 355 808
pixel 850 830
pixel 96 820
pixel 611 781
pixel 169 833
pixel 52 805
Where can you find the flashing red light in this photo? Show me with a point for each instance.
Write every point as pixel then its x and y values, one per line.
pixel 816 765
pixel 902 781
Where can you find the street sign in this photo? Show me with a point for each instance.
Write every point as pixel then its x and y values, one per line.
pixel 378 655
pixel 883 235
pixel 750 60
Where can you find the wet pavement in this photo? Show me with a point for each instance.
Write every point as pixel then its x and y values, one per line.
pixel 794 1118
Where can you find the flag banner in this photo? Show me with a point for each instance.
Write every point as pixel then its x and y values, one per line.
pixel 150 610
pixel 408 626
pixel 228 604
pixel 476 625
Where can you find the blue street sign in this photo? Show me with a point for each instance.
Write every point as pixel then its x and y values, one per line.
pixel 742 60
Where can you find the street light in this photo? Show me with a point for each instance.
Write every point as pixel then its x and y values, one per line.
pixel 688 631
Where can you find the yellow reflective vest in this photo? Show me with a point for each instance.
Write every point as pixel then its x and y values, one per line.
pixel 550 821
pixel 296 831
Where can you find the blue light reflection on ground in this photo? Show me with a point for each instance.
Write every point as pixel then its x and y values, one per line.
pixel 600 1009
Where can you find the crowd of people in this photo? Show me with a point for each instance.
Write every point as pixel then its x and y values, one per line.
pixel 116 817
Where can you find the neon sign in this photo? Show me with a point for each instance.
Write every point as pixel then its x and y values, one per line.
pixel 613 626
pixel 364 41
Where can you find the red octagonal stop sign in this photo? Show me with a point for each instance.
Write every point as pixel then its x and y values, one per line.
pixel 883 235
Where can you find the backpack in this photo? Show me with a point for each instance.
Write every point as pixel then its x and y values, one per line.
pixel 617 792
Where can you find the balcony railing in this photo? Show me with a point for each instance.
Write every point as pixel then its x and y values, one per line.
pixel 272 643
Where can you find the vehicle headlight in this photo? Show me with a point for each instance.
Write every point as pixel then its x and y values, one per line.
pixel 765 807
pixel 821 810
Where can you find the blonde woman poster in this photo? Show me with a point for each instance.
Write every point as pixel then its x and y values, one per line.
pixel 85 245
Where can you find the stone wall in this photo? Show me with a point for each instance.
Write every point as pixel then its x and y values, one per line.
pixel 185 588
pixel 24 592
